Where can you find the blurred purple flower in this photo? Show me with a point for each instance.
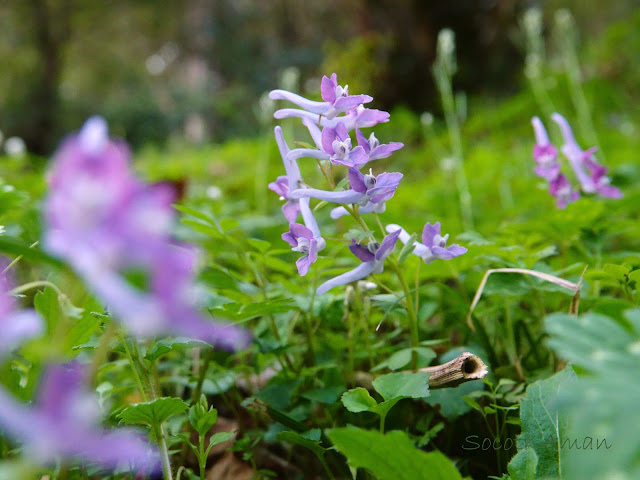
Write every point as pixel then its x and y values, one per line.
pixel 106 223
pixel 561 189
pixel 433 246
pixel 544 153
pixel 336 99
pixel 369 191
pixel 372 257
pixel 16 325
pixel 596 180
pixel 64 422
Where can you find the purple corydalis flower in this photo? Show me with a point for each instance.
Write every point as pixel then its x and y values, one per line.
pixel 305 239
pixel 433 246
pixel 337 143
pixel 596 180
pixel 16 325
pixel 291 208
pixel 561 189
pixel 105 222
pixel 369 191
pixel 334 144
pixel 373 148
pixel 372 257
pixel 336 99
pixel 544 153
pixel 64 422
pixel 360 117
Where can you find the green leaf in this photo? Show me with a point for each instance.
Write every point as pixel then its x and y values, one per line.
pixel 407 249
pixel 358 400
pixel 402 385
pixel 202 421
pixel 220 437
pixel 154 412
pixel 163 347
pixel 402 358
pixel 601 438
pixel 229 224
pixel 239 311
pixel 543 427
pixel 261 246
pixel 392 456
pixel 205 229
pixel 472 403
pixel 304 441
pixel 13 248
pixel 523 465
pixel 323 395
pixel 194 213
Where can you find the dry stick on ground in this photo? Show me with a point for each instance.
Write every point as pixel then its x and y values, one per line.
pixel 461 369
pixel 574 287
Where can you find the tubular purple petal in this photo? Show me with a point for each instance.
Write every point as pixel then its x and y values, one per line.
pixel 346 196
pixel 338 212
pixel 319 108
pixel 314 131
pixel 361 271
pixel 542 138
pixel 308 218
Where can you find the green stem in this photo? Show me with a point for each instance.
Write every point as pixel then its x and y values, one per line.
pixel 148 393
pixel 202 459
pixel 383 417
pixel 326 467
pixel 164 452
pixel 134 368
pixel 413 319
pixel 102 351
pixel 36 284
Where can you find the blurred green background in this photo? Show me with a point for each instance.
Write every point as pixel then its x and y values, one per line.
pixel 194 70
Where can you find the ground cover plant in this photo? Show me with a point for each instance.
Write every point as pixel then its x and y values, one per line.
pixel 356 294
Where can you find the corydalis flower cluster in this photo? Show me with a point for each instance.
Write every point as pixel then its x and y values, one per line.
pixel 109 226
pixel 338 115
pixel 590 174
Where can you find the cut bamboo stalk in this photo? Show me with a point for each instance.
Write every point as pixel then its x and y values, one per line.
pixel 461 369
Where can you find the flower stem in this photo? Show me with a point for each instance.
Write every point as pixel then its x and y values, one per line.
pixel 148 392
pixel 102 351
pixel 164 452
pixel 36 284
pixel 413 319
